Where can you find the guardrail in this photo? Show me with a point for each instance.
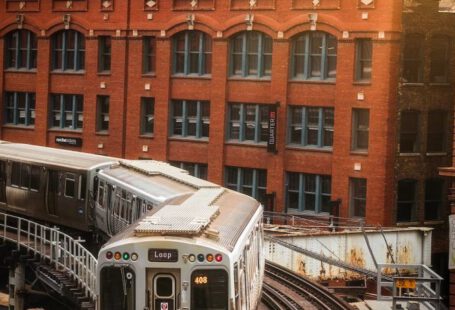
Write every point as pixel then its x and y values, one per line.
pixel 61 250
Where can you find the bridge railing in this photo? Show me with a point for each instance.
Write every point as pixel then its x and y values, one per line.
pixel 61 250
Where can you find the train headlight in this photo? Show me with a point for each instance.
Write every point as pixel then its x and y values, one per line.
pixel 117 255
pixel 109 255
pixel 134 257
pixel 209 258
pixel 126 256
pixel 218 257
pixel 192 258
pixel 200 257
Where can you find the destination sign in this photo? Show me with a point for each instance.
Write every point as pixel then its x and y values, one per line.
pixel 163 255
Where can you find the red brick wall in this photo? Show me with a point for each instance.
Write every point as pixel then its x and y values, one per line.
pixel 126 85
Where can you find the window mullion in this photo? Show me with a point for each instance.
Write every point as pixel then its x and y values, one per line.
pixel 304 126
pixel 76 51
pixel 324 60
pixel 256 124
pixel 63 50
pixel 301 192
pixel 15 112
pixel 74 122
pixel 244 55
pixel 198 120
pixel 318 199
pixel 184 118
pixel 62 111
pixel 306 66
pixel 28 52
pixel 186 53
pixel 260 55
pixel 254 184
pixel 201 54
pixel 321 127
pixel 242 122
pixel 239 179
pixel 292 60
pixel 27 107
pixel 18 39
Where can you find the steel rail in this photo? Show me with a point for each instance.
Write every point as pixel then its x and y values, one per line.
pixel 313 292
pixel 276 300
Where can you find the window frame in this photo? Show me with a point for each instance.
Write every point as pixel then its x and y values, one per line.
pixel 31 50
pixel 256 187
pixel 307 54
pixel 204 54
pixel 357 129
pixel 440 134
pixel 445 62
pixel 200 120
pixel 198 170
pixel 102 101
pixel 148 55
pixel 414 59
pixel 416 144
pixel 354 199
pixel 243 123
pixel 63 51
pixel 321 127
pixel 362 58
pixel 62 111
pixel 429 200
pixel 104 54
pixel 29 109
pixel 302 191
pixel 145 114
pixel 262 56
pixel 403 202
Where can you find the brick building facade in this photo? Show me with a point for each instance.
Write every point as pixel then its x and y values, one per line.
pixel 195 83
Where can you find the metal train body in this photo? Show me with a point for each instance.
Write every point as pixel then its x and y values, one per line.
pixel 200 250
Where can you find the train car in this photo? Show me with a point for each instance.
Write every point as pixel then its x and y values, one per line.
pixel 201 249
pixel 49 184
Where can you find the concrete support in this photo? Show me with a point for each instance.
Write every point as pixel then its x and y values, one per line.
pixel 17 287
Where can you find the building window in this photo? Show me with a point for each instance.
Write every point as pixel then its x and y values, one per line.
pixel 148 55
pixel 102 113
pixel 409 131
pixel 363 58
pixel 440 59
pixel 66 111
pixel 190 119
pixel 413 58
pixel 20 108
pixel 68 51
pixel 147 115
pixel 436 132
pixel 358 199
pixel 360 129
pixel 20 50
pixel 406 201
pixel 192 52
pixel 195 169
pixel 251 55
pixel 252 182
pixel 104 54
pixel 314 56
pixel 248 122
pixel 308 192
pixel 310 126
pixel 434 191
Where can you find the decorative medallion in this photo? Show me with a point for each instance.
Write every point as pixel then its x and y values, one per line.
pixel 193 3
pixel 366 2
pixel 252 3
pixel 21 5
pixel 107 4
pixel 69 4
pixel 151 3
pixel 316 2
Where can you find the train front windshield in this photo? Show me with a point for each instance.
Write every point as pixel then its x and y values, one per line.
pixel 209 289
pixel 117 288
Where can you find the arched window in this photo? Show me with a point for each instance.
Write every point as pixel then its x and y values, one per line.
pixel 20 50
pixel 413 58
pixel 251 54
pixel 440 59
pixel 192 53
pixel 314 56
pixel 68 51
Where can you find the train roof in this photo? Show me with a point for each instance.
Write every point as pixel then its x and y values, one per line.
pixel 52 156
pixel 209 212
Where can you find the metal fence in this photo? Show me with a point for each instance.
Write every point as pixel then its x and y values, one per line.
pixel 62 251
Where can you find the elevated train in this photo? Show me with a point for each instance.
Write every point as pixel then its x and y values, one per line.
pixel 179 242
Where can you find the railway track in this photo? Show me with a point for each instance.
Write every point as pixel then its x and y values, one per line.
pixel 318 296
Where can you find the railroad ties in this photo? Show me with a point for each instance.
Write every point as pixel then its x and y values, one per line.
pixel 284 289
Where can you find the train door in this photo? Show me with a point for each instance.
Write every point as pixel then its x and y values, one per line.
pixel 52 192
pixel 101 206
pixel 163 287
pixel 2 182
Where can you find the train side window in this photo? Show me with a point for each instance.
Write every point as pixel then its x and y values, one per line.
pixel 70 182
pixel 35 178
pixel 82 187
pixel 15 174
pixel 25 176
pixel 101 194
